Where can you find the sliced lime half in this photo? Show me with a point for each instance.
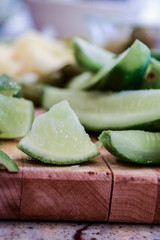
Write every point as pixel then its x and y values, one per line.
pixel 57 137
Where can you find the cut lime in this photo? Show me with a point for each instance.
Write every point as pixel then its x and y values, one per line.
pixel 89 55
pixel 8 163
pixel 16 117
pixel 99 111
pixel 57 137
pixel 125 71
pixel 133 146
pixel 82 81
pixel 8 86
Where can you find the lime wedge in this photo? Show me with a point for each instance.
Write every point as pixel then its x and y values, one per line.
pixel 57 137
pixel 16 116
pixel 133 145
pixel 8 86
pixel 90 56
pixel 7 162
pixel 100 111
pixel 125 71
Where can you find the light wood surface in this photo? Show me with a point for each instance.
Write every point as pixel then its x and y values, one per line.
pixel 79 192
pixel 92 191
pixel 135 193
pixel 40 191
pixel 103 189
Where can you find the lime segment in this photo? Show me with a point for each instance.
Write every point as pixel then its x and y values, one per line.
pixel 8 162
pixel 99 111
pixel 133 146
pixel 57 137
pixel 89 55
pixel 8 86
pixel 125 71
pixel 16 117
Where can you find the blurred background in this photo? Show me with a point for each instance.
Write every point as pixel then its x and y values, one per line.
pixel 113 24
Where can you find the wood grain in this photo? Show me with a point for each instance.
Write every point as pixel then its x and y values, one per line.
pixel 80 192
pixel 39 191
pixel 134 192
pixel 11 183
pixel 157 208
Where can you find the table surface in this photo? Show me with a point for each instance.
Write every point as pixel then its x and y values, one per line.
pixel 41 230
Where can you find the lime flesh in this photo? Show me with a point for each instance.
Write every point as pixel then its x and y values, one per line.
pixel 57 137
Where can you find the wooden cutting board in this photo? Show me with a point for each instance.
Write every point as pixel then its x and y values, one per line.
pixel 104 189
